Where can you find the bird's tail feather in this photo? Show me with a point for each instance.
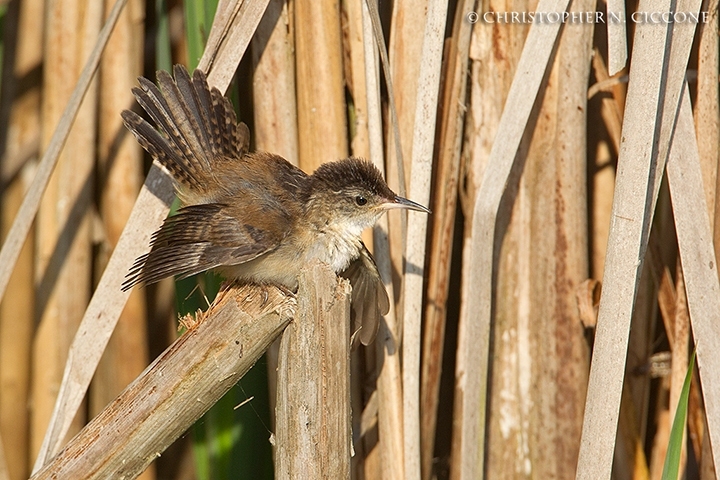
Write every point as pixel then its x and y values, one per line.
pixel 194 125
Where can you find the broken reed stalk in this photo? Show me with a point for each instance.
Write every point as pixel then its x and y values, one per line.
pixel 445 185
pixel 178 387
pixel 229 38
pixel 274 103
pixel 321 108
pixel 617 38
pixel 312 414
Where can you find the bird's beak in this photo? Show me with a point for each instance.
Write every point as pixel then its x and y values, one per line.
pixel 401 202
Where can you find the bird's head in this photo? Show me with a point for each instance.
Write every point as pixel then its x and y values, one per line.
pixel 353 194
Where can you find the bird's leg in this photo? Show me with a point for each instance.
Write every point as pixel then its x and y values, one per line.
pixel 286 291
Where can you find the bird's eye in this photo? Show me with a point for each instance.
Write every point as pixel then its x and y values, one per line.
pixel 360 200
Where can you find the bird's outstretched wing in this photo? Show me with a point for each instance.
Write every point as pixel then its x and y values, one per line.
pixel 198 138
pixel 369 298
pixel 196 128
pixel 198 238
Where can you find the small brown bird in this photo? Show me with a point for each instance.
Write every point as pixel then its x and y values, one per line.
pixel 254 216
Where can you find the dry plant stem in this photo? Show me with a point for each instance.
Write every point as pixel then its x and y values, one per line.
pixel 368 419
pixel 607 85
pixel 63 224
pixel 422 156
pixel 697 424
pixel 541 254
pixel 225 13
pixel 494 62
pixel 26 213
pixel 177 388
pixel 320 90
pixel 16 334
pixel 698 263
pixel 641 345
pixel 220 60
pixel 604 177
pixel 21 97
pixel 540 354
pixel 474 329
pixel 617 36
pixel 355 71
pixel 707 467
pixel 630 439
pixel 389 382
pixel 707 126
pixel 274 104
pixel 150 209
pixel 16 237
pixel 312 413
pixel 374 17
pixel 404 52
pixel 405 55
pixel 707 114
pixel 640 168
pixel 4 472
pixel 443 222
pixel 367 456
pixel 121 174
pixel 609 109
pixel 389 386
pixel 12 161
pixel 390 376
pixel 667 302
pixel 354 45
pixel 660 440
pixel 365 450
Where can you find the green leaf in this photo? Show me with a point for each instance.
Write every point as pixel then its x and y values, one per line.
pixel 677 433
pixel 163 50
pixel 199 15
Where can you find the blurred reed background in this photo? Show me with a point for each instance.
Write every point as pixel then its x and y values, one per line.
pixel 311 88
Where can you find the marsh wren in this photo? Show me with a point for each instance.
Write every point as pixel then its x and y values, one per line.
pixel 254 216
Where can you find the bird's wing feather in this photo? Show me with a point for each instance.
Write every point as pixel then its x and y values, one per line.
pixel 198 238
pixel 369 297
